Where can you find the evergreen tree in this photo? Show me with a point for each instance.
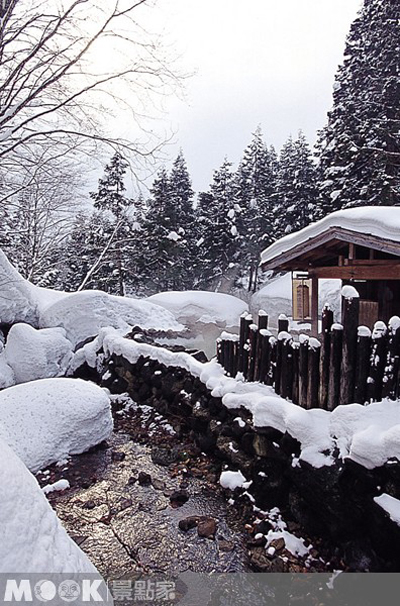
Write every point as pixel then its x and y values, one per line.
pixel 256 177
pixel 111 203
pixel 182 221
pixel 296 187
pixel 218 250
pixel 360 147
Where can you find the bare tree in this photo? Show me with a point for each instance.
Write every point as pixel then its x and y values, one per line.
pixel 53 87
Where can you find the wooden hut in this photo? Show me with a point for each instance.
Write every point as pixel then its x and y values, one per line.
pixel 360 246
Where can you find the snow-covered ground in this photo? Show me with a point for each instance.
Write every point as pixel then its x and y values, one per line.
pixel 369 435
pixel 205 315
pixel 32 538
pixel 45 421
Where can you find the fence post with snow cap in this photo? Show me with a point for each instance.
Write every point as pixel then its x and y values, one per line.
pixel 303 370
pixel 350 314
pixel 377 361
pixel 362 364
pixel 391 372
pixel 327 321
pixel 262 319
pixel 314 347
pixel 253 338
pixel 335 363
pixel 283 323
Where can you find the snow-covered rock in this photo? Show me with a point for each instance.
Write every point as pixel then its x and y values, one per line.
pixel 7 378
pixel 17 300
pixel 45 421
pixel 32 538
pixel 83 314
pixel 37 354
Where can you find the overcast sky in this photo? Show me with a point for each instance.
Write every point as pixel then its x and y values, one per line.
pixel 268 62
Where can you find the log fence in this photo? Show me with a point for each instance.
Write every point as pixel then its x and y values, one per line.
pixel 347 363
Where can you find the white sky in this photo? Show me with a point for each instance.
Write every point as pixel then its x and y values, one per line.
pixel 268 62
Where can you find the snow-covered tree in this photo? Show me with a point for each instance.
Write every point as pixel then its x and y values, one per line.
pixel 360 146
pixel 256 177
pixel 296 190
pixel 217 245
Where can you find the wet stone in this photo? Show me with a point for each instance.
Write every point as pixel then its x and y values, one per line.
pixel 158 484
pixel 144 478
pixel 179 498
pixel 188 523
pixel 207 528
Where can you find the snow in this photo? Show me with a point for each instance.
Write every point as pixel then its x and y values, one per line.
pixel 57 486
pixel 83 314
pixel 173 236
pixel 369 435
pixel 390 505
pixel 379 221
pixel 193 306
pixel 32 539
pixel 394 323
pixel 233 479
pixel 45 421
pixel 349 292
pixel 363 331
pixel 36 354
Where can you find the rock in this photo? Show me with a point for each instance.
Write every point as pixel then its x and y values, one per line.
pixel 179 498
pixel 89 505
pixel 225 545
pixel 158 484
pixel 188 523
pixel 144 478
pixel 278 544
pixel 264 527
pixel 260 542
pixel 207 528
pixel 132 480
pixel 164 456
pixel 117 455
pixel 125 504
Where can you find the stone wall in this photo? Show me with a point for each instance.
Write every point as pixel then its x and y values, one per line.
pixel 334 503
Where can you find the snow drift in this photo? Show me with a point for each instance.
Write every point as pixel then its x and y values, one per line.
pixel 36 354
pixel 32 538
pixel 45 421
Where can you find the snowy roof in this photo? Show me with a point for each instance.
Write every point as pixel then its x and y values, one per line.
pixel 380 223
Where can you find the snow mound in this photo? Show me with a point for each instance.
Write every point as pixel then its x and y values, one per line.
pixel 193 306
pixel 37 354
pixel 45 421
pixel 32 538
pixel 390 505
pixel 7 378
pixel 83 314
pixel 17 300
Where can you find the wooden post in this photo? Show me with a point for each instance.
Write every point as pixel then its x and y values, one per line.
pixel 271 361
pixel 263 348
pixel 253 334
pixel 335 362
pixel 283 323
pixel 314 306
pixel 262 319
pixel 362 365
pixel 350 312
pixel 303 370
pixel 248 321
pixel 313 372
pixel 287 369
pixel 378 361
pixel 296 374
pixel 242 341
pixel 389 377
pixel 278 364
pixel 220 359
pixel 327 321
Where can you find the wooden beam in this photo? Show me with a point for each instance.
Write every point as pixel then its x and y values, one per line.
pixel 358 272
pixel 352 251
pixel 291 258
pixel 314 306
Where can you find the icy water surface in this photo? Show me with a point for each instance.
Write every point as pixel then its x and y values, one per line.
pixel 129 529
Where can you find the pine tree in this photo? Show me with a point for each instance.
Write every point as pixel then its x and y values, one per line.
pixel 111 201
pixel 182 221
pixel 218 250
pixel 360 147
pixel 296 187
pixel 256 178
